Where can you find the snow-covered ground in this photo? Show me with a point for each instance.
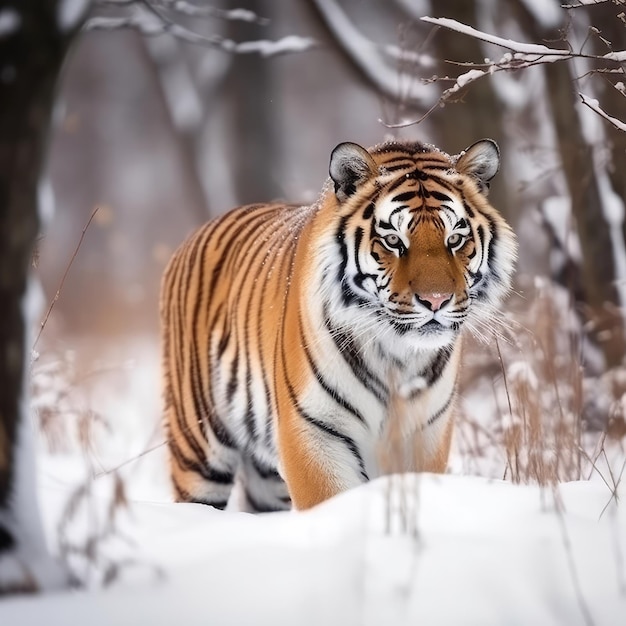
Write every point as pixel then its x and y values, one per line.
pixel 432 550
pixel 453 549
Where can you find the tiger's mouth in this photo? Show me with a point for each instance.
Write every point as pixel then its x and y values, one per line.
pixel 414 323
pixel 433 325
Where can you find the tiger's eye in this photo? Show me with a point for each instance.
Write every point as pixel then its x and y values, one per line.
pixel 392 240
pixel 454 240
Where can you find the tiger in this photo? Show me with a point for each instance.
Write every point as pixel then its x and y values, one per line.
pixel 287 329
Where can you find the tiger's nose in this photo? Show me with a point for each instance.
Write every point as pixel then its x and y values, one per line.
pixel 434 301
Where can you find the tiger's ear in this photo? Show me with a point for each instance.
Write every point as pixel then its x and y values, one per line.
pixel 350 166
pixel 481 161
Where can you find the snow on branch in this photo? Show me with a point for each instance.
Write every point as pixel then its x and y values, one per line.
pixel 155 25
pixel 190 9
pixel 372 58
pixel 532 50
pixel 583 3
pixel 521 55
pixel 594 105
pixel 193 10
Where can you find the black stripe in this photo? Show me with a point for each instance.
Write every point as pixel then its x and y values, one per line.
pixel 437 166
pixel 203 409
pixel 348 296
pixel 248 274
pixel 403 156
pixel 468 209
pixel 231 386
pixel 184 431
pixel 329 430
pixel 268 399
pixel 344 342
pixel 182 420
pixel 340 236
pixel 333 393
pixel 225 333
pixel 435 369
pixel 261 507
pixel 220 431
pixel 248 417
pixel 402 166
pixel 280 336
pixel 204 469
pixel 394 185
pixel 350 444
pixel 433 418
pixel 441 196
pixel 233 221
pixel 264 471
pixel 404 197
pixel 182 495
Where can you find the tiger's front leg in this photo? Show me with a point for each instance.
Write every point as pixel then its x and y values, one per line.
pixel 317 462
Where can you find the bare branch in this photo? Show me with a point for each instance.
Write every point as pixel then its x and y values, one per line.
pixel 371 57
pixel 65 273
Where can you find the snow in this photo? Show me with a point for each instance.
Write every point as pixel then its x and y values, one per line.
pixel 619 56
pixel 29 560
pixel 242 15
pixel 70 13
pixel 290 43
pixel 451 549
pixel 557 211
pixel 151 26
pixel 45 201
pixel 581 3
pixel 536 50
pixel 10 22
pixel 405 550
pixel 468 77
pixel 594 105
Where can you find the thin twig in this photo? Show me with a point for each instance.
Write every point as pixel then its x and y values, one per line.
pixel 67 269
pixel 614 494
pixel 567 544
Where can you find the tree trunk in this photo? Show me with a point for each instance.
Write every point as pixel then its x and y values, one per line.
pixel 598 269
pixel 602 305
pixel 604 17
pixel 32 49
pixel 479 116
pixel 253 111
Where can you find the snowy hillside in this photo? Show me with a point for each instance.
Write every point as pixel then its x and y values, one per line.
pixel 432 550
pixel 453 549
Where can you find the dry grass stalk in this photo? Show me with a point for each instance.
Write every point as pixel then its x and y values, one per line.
pixel 90 541
pixel 547 408
pixel 400 454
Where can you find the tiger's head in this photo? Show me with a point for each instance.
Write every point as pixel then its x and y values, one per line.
pixel 420 247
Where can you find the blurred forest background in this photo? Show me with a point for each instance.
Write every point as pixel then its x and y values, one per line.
pixel 162 134
pixel 170 112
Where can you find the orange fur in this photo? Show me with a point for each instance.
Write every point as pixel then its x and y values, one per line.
pixel 261 374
